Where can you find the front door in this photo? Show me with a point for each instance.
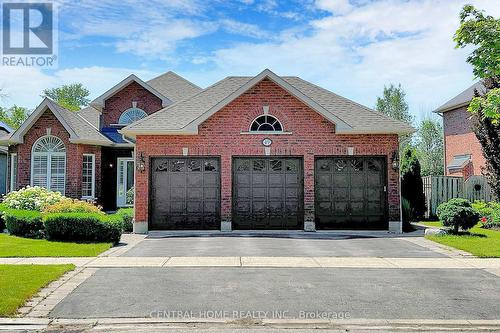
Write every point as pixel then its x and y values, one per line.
pixel 125 182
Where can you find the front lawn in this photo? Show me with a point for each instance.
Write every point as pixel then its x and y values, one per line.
pixel 480 242
pixel 11 246
pixel 18 283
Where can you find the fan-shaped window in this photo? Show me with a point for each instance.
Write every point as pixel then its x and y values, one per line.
pixel 131 115
pixel 266 123
pixel 48 163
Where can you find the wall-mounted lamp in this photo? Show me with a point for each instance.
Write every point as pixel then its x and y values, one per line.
pixel 141 166
pixel 395 160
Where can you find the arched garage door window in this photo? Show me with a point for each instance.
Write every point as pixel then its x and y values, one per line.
pixel 48 163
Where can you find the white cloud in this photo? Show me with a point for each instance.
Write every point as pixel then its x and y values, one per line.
pixel 244 29
pixel 24 85
pixel 334 6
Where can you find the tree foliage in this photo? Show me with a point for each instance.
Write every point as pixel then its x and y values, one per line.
pixel 71 96
pixel 411 183
pixel 430 147
pixel 14 116
pixel 393 104
pixel 483 33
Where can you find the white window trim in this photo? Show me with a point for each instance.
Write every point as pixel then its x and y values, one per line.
pixel 13 173
pixel 266 132
pixel 92 196
pixel 49 164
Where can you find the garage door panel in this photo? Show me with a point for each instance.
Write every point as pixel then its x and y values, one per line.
pixel 185 193
pixel 272 187
pixel 358 199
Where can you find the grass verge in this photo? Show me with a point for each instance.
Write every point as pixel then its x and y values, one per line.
pixel 18 283
pixel 478 241
pixel 11 246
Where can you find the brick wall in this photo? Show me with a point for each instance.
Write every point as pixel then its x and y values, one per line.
pixel 220 135
pixel 122 100
pixel 460 140
pixel 74 155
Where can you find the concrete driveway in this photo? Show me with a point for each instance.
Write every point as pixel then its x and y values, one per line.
pixel 258 246
pixel 189 293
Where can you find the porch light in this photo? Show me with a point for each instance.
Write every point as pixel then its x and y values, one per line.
pixel 395 160
pixel 141 166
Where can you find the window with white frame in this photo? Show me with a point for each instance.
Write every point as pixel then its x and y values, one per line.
pixel 131 115
pixel 48 163
pixel 266 123
pixel 88 176
pixel 13 172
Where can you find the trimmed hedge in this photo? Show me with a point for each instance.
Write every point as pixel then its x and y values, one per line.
pixel 91 227
pixel 127 214
pixel 24 223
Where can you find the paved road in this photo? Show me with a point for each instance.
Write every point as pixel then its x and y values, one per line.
pixel 268 292
pixel 341 246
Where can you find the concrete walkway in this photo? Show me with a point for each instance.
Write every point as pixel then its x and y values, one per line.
pixel 295 262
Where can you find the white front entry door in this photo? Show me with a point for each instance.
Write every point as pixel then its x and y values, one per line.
pixel 125 182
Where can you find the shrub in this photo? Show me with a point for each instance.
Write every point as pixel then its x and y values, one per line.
pixel 127 215
pixel 24 223
pixel 94 227
pixel 32 198
pixel 412 188
pixel 3 207
pixel 489 213
pixel 68 205
pixel 457 213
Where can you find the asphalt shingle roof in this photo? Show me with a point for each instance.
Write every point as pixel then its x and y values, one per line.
pixel 179 115
pixel 463 98
pixel 174 87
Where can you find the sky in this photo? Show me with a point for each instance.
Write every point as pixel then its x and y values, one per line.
pixel 351 47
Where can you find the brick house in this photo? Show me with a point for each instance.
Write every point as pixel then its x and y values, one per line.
pixel 263 152
pixel 463 154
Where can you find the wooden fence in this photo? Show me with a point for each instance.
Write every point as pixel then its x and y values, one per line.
pixel 439 189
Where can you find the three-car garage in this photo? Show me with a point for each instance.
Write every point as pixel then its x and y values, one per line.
pixel 268 193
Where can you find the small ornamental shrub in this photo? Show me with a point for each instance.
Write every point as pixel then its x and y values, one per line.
pixel 24 223
pixel 32 198
pixel 68 205
pixel 3 207
pixel 127 215
pixel 458 214
pixel 489 213
pixel 494 220
pixel 92 227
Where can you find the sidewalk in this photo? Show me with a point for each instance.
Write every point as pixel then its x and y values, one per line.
pixel 296 262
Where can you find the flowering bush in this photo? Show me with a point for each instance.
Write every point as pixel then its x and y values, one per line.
pixel 32 198
pixel 489 212
pixel 68 205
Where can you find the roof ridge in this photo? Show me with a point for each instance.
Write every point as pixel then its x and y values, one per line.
pixel 178 76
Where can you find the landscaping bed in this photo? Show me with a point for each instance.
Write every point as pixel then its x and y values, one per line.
pixel 18 283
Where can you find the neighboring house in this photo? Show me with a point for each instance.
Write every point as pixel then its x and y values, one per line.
pixel 4 150
pixel 463 154
pixel 263 152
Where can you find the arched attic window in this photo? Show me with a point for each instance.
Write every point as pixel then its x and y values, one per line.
pixel 131 115
pixel 266 123
pixel 48 163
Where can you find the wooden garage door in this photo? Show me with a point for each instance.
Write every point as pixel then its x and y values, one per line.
pixel 185 193
pixel 350 193
pixel 268 193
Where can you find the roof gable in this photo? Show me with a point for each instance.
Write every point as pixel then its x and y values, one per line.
pixel 79 129
pixel 462 99
pixel 98 103
pixel 173 86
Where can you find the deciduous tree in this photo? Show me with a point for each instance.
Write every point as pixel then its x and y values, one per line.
pixel 71 96
pixel 430 147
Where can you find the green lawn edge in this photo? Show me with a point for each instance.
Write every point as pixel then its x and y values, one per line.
pixel 12 246
pixel 19 283
pixel 484 243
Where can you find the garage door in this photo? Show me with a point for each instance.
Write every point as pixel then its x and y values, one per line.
pixel 267 193
pixel 350 193
pixel 185 193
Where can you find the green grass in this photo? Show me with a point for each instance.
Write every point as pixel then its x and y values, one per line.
pixel 478 241
pixel 11 246
pixel 18 283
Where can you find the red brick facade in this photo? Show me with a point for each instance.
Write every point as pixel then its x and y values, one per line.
pixel 460 140
pixel 74 155
pixel 122 100
pixel 221 135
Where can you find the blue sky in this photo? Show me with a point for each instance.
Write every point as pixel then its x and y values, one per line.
pixel 350 47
